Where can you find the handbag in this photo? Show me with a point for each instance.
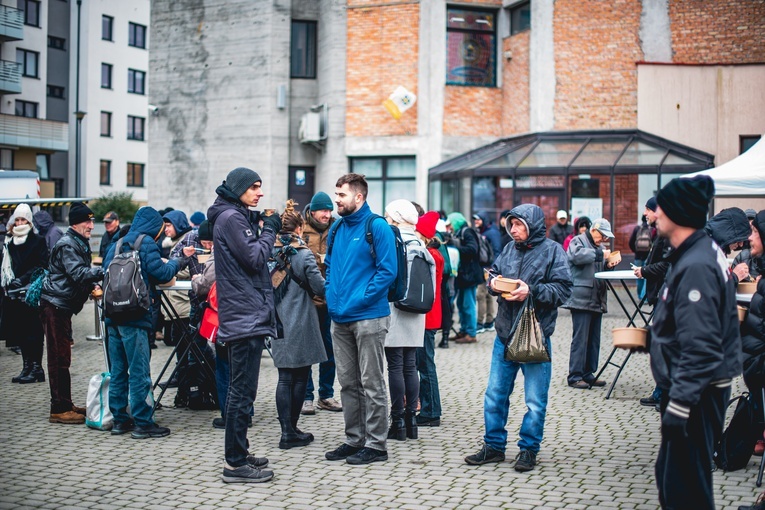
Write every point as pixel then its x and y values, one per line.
pixel 526 343
pixel 208 327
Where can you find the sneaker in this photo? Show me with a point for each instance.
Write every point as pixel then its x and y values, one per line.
pixel 649 401
pixel 422 421
pixel 459 335
pixel 246 474
pixel 257 462
pixel 122 428
pixel 580 385
pixel 525 461
pixel 484 456
pixel 151 431
pixel 489 326
pixel 467 339
pixel 69 418
pixel 342 452
pixel 597 383
pixel 328 404
pixel 308 408
pixel 480 330
pixel 367 456
pixel 219 423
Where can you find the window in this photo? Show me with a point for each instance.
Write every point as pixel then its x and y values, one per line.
pixel 107 22
pixel 106 123
pixel 135 128
pixel 42 162
pixel 105 176
pixel 6 159
pixel 520 17
pixel 389 178
pixel 58 43
pixel 303 49
pixel 26 109
pixel 56 91
pixel 136 35
pixel 745 142
pixel 32 13
pixel 106 76
pixel 28 60
pixel 135 174
pixel 136 80
pixel 471 47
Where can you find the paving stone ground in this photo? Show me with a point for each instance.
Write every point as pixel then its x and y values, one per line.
pixel 597 453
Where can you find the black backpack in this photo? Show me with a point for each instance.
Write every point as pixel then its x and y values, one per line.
pixel 736 445
pixel 126 295
pixel 643 240
pixel 420 291
pixel 397 289
pixel 485 251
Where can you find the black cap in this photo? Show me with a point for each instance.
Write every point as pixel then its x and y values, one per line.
pixel 110 217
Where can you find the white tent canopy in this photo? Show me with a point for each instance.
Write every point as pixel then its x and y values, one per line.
pixel 741 176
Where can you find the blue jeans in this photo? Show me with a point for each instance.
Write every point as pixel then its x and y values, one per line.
pixel 326 369
pixel 496 402
pixel 430 398
pixel 466 308
pixel 641 282
pixel 130 374
pixel 244 369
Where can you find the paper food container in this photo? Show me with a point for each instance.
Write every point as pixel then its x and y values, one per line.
pixel 97 261
pixel 506 285
pixel 629 338
pixel 746 287
pixel 168 284
pixel 203 258
pixel 741 313
pixel 615 257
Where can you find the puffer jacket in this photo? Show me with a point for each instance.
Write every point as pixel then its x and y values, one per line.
pixel 71 277
pixel 584 260
pixel 655 269
pixel 154 270
pixel 245 295
pixel 542 264
pixel 695 332
pixel 755 263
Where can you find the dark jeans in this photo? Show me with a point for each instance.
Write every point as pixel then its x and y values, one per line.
pixel 58 330
pixel 402 378
pixel 244 370
pixel 222 375
pixel 289 393
pixel 447 307
pixel 430 397
pixel 326 369
pixel 585 346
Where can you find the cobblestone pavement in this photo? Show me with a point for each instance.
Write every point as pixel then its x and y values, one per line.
pixel 597 453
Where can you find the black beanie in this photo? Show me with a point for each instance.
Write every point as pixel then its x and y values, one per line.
pixel 79 212
pixel 205 232
pixel 651 204
pixel 240 179
pixel 685 201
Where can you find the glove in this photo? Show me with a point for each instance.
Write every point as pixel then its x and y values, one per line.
pixel 273 222
pixel 15 284
pixel 674 427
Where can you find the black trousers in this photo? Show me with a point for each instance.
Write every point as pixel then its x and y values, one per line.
pixel 684 466
pixel 244 371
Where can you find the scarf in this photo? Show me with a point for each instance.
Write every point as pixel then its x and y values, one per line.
pixel 317 226
pixel 7 271
pixel 20 233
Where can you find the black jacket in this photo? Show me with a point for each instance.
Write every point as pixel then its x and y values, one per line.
pixel 753 339
pixel 695 334
pixel 641 255
pixel 655 269
pixel 470 273
pixel 245 295
pixel 727 227
pixel 755 263
pixel 106 242
pixel 71 276
pixel 542 264
pixel 27 257
pixel 559 233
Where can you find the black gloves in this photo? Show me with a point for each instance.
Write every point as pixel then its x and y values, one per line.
pixel 15 284
pixel 673 427
pixel 273 222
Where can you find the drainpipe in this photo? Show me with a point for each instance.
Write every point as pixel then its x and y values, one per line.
pixel 77 112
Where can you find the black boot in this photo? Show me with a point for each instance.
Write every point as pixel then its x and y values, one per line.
pixel 26 369
pixel 444 343
pixel 397 428
pixel 37 374
pixel 411 424
pixel 290 438
pixel 300 433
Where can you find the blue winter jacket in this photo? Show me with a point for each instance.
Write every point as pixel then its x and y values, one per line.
pixel 357 285
pixel 153 270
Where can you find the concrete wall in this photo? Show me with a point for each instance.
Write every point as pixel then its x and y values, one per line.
pixel 58 60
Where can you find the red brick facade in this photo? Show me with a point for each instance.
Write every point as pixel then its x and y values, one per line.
pixel 515 77
pixel 472 111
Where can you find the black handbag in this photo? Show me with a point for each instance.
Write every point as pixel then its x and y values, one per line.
pixel 526 343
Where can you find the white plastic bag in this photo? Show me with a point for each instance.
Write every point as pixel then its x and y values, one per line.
pixel 97 414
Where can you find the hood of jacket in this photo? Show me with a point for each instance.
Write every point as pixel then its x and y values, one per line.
pixel 226 200
pixel 727 227
pixel 534 219
pixel 146 221
pixel 179 221
pixel 43 221
pixel 457 220
pixel 759 223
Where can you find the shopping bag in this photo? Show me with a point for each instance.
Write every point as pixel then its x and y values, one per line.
pixel 97 413
pixel 526 343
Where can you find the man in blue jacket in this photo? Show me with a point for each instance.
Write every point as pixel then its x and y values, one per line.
pixel 357 299
pixel 245 308
pixel 542 268
pixel 129 352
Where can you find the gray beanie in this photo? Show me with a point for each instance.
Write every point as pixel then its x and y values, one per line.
pixel 240 179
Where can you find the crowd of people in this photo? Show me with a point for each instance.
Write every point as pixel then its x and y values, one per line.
pixel 315 288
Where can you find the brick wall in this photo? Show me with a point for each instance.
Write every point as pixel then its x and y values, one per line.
pixel 472 111
pixel 382 54
pixel 515 77
pixel 730 32
pixel 596 47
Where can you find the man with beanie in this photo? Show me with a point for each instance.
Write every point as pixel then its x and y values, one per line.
pixel 318 220
pixel 196 219
pixel 65 290
pixel 245 308
pixel 695 345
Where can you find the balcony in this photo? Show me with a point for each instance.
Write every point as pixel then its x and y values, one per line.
pixel 34 133
pixel 11 24
pixel 10 77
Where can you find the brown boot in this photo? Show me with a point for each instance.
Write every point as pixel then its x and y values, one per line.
pixel 467 339
pixel 79 410
pixel 69 417
pixel 459 335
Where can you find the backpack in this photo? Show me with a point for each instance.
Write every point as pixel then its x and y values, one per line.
pixel 736 444
pixel 397 289
pixel 208 327
pixel 280 269
pixel 643 239
pixel 485 251
pixel 196 389
pixel 420 287
pixel 126 295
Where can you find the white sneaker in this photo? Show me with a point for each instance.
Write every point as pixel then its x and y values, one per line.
pixel 480 330
pixel 491 327
pixel 308 408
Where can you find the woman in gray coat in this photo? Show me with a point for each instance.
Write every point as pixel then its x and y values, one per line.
pixel 301 344
pixel 587 302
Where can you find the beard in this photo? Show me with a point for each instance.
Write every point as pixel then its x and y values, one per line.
pixel 347 209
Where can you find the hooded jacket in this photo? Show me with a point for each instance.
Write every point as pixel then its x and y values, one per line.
pixel 753 328
pixel 71 276
pixel 47 228
pixel 491 233
pixel 154 270
pixel 470 273
pixel 184 236
pixel 542 264
pixel 245 295
pixel 727 227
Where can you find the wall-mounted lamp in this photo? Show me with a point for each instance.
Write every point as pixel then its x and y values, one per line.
pixel 281 97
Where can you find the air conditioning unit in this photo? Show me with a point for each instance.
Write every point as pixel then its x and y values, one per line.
pixel 310 128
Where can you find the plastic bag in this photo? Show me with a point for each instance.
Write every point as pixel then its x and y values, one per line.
pixel 527 342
